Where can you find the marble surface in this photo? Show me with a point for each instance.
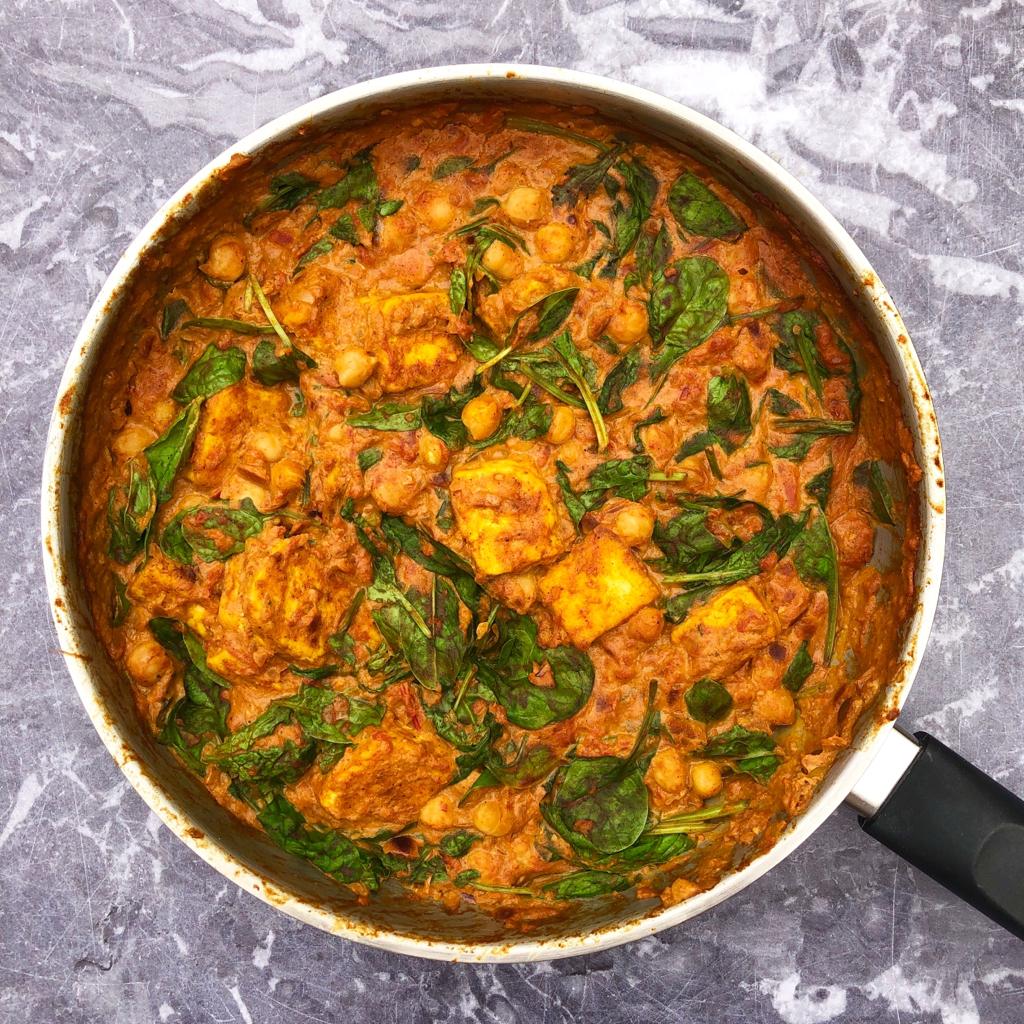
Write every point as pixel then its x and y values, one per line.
pixel 906 117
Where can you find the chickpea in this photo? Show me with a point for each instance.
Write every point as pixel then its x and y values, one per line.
pixel 433 451
pixel 776 707
pixel 354 367
pixel 287 476
pixel 394 489
pixel 239 486
pixel 438 212
pixel 633 523
pixel 526 206
pixel 439 811
pixel 298 308
pixel 502 261
pixel 554 243
pixel 706 779
pixel 563 425
pixel 629 324
pixel 132 438
pixel 148 664
pixel 481 416
pixel 493 817
pixel 397 233
pixel 225 260
pixel 337 432
pixel 668 770
pixel 517 590
pixel 646 625
pixel 268 443
pixel 681 889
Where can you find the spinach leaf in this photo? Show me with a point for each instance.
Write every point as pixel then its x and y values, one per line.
pixel 166 454
pixel 698 211
pixel 585 885
pixel 656 415
pixel 527 421
pixel 808 431
pixel 287 191
pixel 579 370
pixel 686 306
pixel 641 188
pixel 451 165
pixel 814 555
pixel 120 605
pixel 458 290
pixel 457 844
pixel 344 230
pixel 330 850
pixel 368 458
pixel 650 848
pixel 216 369
pixel 871 474
pixel 390 207
pixel 442 415
pixel 799 669
pixel 623 478
pixel 623 374
pixel 358 183
pixel 212 533
pixel 781 404
pixel 819 487
pixel 434 656
pixel 173 312
pixel 583 180
pixel 315 251
pixel 738 742
pixel 728 405
pixel 701 568
pixel 439 559
pixel 389 416
pixel 797 351
pixel 222 323
pixel 509 672
pixel 600 805
pixel 130 512
pixel 202 712
pixel 708 700
pixel 329 721
pixel 269 368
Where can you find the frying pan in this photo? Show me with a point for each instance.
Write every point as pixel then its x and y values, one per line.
pixel 912 792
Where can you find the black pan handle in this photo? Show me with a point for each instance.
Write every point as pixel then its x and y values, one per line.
pixel 959 826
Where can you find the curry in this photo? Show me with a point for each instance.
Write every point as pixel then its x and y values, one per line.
pixel 493 500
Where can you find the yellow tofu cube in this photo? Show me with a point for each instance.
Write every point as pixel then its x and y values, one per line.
pixel 504 510
pixel 287 593
pixel 599 584
pixel 726 631
pixel 390 773
pixel 410 334
pixel 417 359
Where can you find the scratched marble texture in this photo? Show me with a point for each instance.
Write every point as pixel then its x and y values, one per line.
pixel 906 118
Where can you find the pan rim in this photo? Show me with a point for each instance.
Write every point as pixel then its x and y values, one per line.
pixel 889 330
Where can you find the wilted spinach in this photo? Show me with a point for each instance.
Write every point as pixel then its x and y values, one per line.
pixel 211 533
pixel 871 475
pixel 707 700
pixel 216 369
pixel 728 405
pixel 600 805
pixel 814 555
pixel 698 211
pixel 799 669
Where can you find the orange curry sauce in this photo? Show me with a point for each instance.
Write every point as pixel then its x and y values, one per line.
pixel 490 499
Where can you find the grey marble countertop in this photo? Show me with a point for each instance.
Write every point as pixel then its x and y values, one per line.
pixel 906 117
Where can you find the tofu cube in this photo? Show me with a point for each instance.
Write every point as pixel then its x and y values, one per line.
pixel 504 510
pixel 599 584
pixel 390 773
pixel 720 635
pixel 416 360
pixel 287 593
pixel 411 335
